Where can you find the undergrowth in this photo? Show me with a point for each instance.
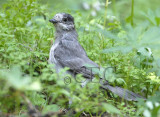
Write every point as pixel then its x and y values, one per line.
pixel 132 48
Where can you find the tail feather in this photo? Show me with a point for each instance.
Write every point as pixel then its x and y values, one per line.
pixel 123 93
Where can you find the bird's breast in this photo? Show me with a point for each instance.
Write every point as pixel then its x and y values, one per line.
pixel 52 52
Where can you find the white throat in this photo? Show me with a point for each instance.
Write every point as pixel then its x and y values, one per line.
pixel 64 27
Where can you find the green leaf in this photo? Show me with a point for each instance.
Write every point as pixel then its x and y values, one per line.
pixel 120 81
pixel 107 34
pixel 51 108
pixel 151 36
pixel 145 52
pixel 110 108
pixel 123 49
pixel 15 79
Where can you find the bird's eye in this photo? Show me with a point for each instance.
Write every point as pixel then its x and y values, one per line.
pixel 64 19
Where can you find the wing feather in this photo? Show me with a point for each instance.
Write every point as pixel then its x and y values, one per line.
pixel 70 53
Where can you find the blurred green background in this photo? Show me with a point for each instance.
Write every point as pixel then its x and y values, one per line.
pixel 118 8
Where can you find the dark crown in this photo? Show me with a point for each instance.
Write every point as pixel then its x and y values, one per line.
pixel 69 17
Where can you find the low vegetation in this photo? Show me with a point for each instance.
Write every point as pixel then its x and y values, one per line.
pixel 119 34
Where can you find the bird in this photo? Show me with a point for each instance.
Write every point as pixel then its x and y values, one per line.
pixel 67 52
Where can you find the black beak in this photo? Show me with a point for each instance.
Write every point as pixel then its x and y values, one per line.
pixel 53 21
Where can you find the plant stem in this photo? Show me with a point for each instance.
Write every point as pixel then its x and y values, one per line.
pixel 132 12
pixel 114 7
pixel 106 5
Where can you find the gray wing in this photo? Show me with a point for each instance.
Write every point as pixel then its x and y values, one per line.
pixel 70 53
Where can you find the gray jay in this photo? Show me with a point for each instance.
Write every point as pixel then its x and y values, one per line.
pixel 67 52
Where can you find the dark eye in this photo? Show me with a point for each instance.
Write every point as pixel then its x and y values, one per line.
pixel 64 19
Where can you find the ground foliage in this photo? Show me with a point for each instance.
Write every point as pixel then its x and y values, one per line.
pixel 113 35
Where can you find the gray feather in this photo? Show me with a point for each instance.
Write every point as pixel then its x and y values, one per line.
pixel 123 93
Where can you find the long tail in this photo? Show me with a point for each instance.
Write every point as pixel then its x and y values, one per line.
pixel 123 93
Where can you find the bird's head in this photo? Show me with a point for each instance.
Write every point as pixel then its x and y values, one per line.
pixel 63 22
